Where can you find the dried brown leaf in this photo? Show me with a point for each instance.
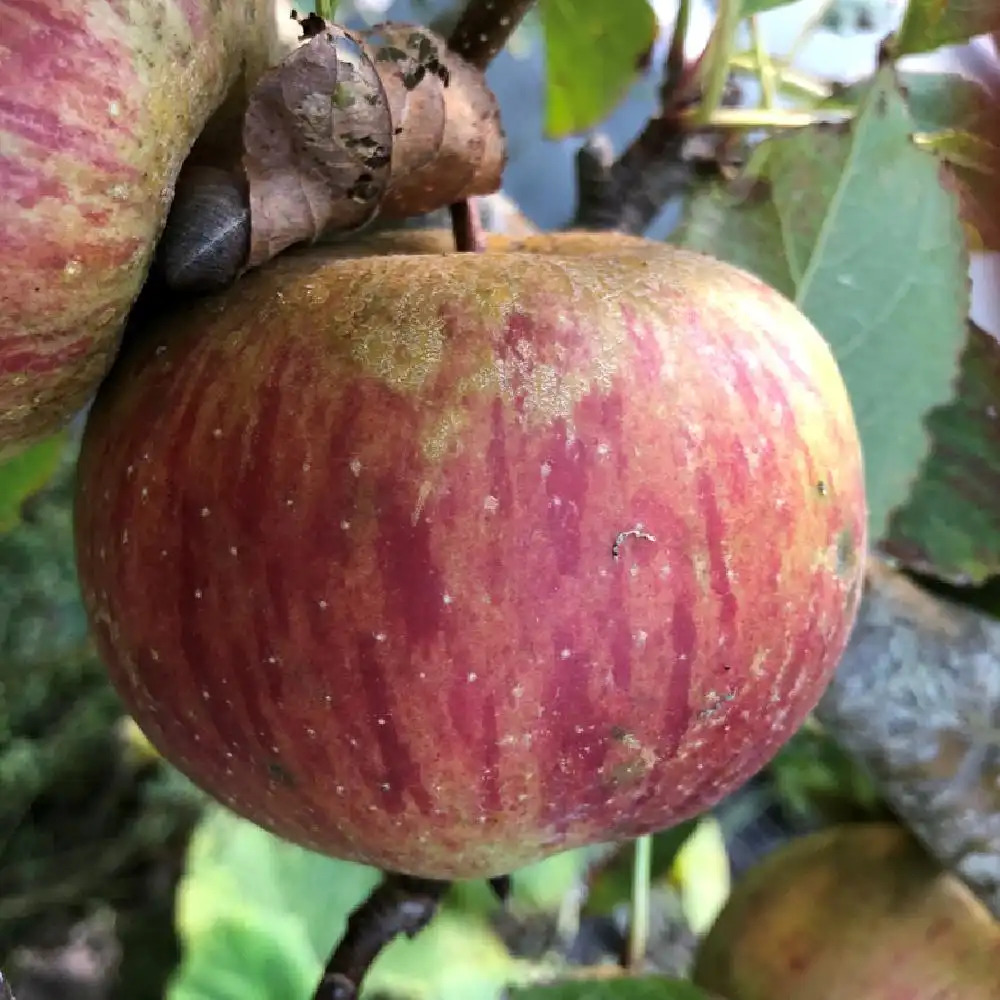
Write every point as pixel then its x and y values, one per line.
pixel 317 138
pixel 351 125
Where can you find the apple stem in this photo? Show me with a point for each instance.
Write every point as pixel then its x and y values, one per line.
pixel 467 227
pixel 481 32
pixel 402 904
pixel 638 932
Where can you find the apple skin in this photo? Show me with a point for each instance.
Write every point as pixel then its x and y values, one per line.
pixel 854 912
pixel 350 537
pixel 95 121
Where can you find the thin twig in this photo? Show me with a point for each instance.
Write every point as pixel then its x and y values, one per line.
pixel 642 873
pixel 806 32
pixel 793 82
pixel 402 904
pixel 715 66
pixel 481 32
pixel 753 118
pixel 763 65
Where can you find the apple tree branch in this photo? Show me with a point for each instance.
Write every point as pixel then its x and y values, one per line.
pixel 916 701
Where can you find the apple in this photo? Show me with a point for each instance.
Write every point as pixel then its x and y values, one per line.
pixel 445 562
pixel 854 912
pixel 96 118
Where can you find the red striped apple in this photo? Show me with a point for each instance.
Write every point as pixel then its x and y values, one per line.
pixel 100 101
pixel 445 562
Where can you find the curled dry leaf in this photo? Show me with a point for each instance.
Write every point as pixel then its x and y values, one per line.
pixel 351 125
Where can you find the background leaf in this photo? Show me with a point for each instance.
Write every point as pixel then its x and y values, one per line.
pixel 623 988
pixel 593 49
pixel 950 525
pixel 957 120
pixel 241 882
pixel 25 474
pixel 247 957
pixel 929 24
pixel 855 225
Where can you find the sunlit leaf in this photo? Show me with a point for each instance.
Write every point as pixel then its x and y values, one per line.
pixel 241 882
pixel 593 51
pixel 26 473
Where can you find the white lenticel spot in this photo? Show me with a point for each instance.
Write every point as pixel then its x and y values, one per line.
pixel 355 465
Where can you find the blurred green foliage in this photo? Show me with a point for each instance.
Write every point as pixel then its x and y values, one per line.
pixel 79 816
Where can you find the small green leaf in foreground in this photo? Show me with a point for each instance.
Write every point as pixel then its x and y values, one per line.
pixel 855 225
pixel 929 24
pixel 241 884
pixel 593 49
pixel 25 474
pixel 640 988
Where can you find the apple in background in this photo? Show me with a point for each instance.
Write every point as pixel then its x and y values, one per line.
pixel 856 912
pixel 100 101
pixel 446 562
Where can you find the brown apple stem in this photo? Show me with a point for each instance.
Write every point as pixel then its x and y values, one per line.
pixel 402 904
pixel 916 700
pixel 467 227
pixel 484 27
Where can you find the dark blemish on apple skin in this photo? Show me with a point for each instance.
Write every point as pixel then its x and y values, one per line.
pixel 846 557
pixel 822 489
pixel 279 774
pixel 620 538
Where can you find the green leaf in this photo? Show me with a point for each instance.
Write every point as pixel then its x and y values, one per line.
pixel 639 988
pixel 856 226
pixel 247 957
pixel 956 119
pixel 938 102
pixel 316 892
pixel 751 7
pixel 593 51
pixel 455 958
pixel 950 526
pixel 240 881
pixel 929 24
pixel 25 474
